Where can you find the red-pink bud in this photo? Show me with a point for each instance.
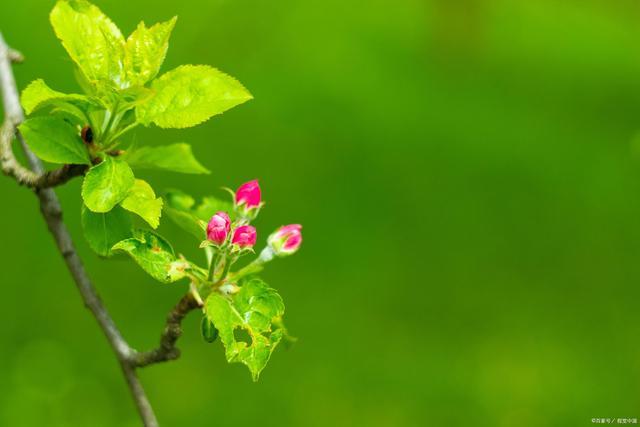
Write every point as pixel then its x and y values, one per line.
pixel 286 240
pixel 244 236
pixel 248 194
pixel 218 228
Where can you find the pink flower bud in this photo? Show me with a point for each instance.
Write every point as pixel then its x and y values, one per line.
pixel 286 240
pixel 248 195
pixel 244 236
pixel 218 228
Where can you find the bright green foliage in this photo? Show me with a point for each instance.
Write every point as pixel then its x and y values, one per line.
pixel 145 50
pixel 118 77
pixel 38 95
pixel 54 140
pixel 181 209
pixel 154 255
pixel 121 92
pixel 253 309
pixel 103 230
pixel 189 95
pixel 174 157
pixel 92 41
pixel 142 201
pixel 107 184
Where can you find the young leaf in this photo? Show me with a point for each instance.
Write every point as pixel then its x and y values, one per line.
pixel 210 205
pixel 174 157
pixel 179 200
pixel 54 140
pixel 103 230
pixel 92 41
pixel 38 95
pixel 70 113
pixel 189 95
pixel 154 255
pixel 107 184
pixel 178 208
pixel 252 309
pixel 145 50
pixel 142 201
pixel 181 209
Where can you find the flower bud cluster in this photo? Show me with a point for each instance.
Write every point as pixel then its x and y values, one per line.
pixel 235 238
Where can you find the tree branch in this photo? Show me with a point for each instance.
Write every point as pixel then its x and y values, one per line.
pixel 52 213
pixel 41 182
pixel 11 166
pixel 33 178
pixel 167 349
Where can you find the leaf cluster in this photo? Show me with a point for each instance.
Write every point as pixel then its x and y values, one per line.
pixel 122 88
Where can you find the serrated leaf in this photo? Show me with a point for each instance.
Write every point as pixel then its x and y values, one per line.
pixel 252 309
pixel 103 230
pixel 134 95
pixel 107 184
pixel 142 201
pixel 54 140
pixel 145 51
pixel 154 255
pixel 182 210
pixel 175 157
pixel 38 95
pixel 91 39
pixel 189 95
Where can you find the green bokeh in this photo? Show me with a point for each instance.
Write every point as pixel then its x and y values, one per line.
pixel 469 186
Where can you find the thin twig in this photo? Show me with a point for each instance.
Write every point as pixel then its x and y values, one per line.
pixel 11 166
pixel 167 349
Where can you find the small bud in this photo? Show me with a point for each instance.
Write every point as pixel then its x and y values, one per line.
pixel 248 198
pixel 286 240
pixel 218 228
pixel 208 330
pixel 87 134
pixel 229 289
pixel 244 236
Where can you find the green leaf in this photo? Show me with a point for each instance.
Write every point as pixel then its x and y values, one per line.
pixel 252 309
pixel 179 200
pixel 189 95
pixel 187 221
pixel 174 157
pixel 154 255
pixel 54 140
pixel 210 205
pixel 142 201
pixel 181 209
pixel 107 184
pixel 38 95
pixel 92 41
pixel 70 113
pixel 145 50
pixel 103 230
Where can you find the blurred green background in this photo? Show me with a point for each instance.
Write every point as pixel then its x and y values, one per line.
pixel 469 184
